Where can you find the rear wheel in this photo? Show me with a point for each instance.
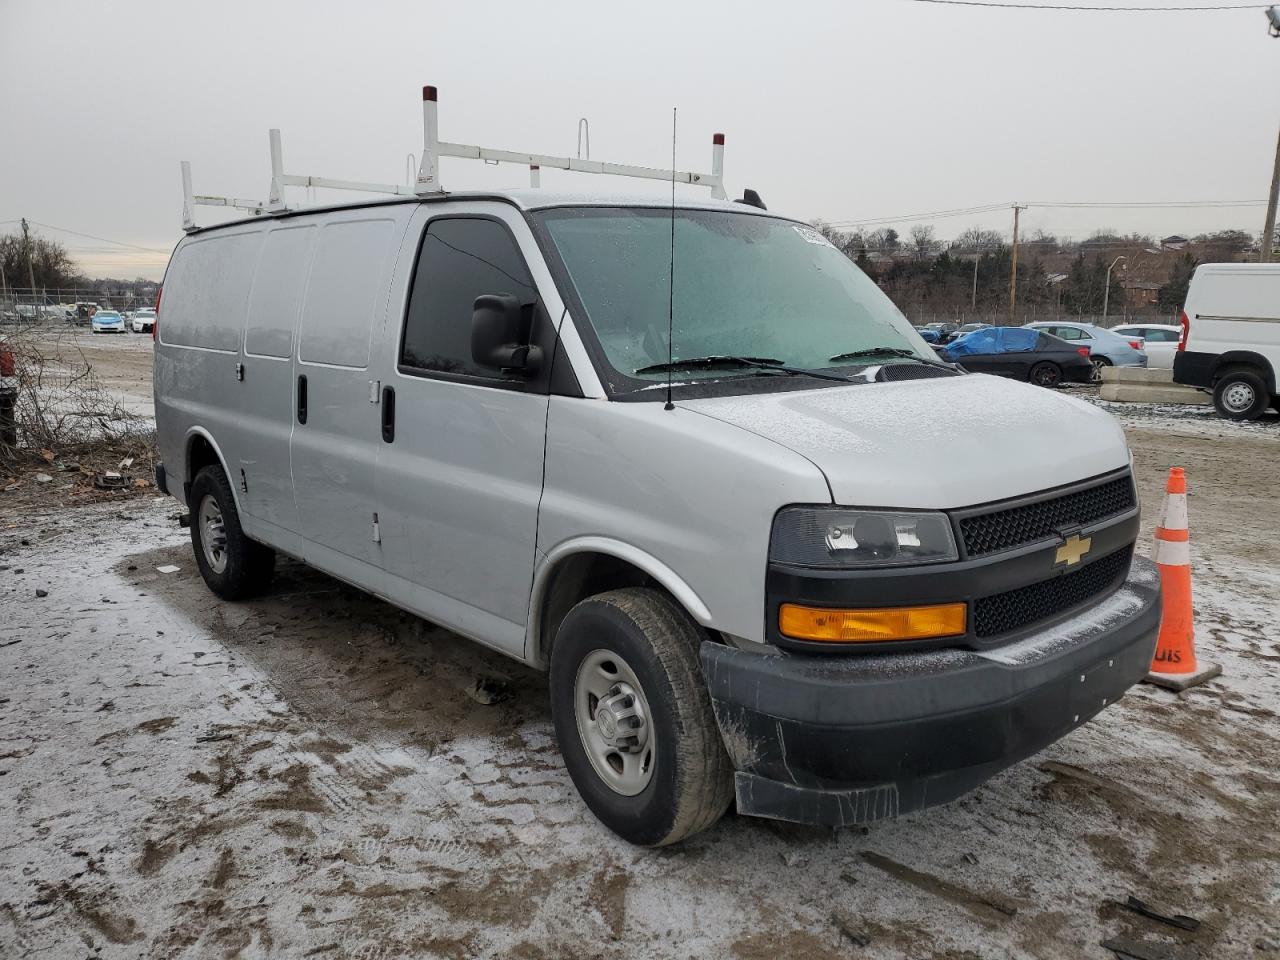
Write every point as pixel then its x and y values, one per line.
pixel 233 566
pixel 634 719
pixel 1099 363
pixel 1046 374
pixel 1241 395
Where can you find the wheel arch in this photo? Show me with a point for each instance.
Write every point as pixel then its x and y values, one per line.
pixel 1245 358
pixel 199 451
pixel 577 569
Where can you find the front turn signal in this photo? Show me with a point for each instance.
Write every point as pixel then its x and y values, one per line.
pixel 875 625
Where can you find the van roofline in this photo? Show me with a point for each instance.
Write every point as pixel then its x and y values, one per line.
pixel 526 200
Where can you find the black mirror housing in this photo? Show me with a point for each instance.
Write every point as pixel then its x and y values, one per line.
pixel 500 330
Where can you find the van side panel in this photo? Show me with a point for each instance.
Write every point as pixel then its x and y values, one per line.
pixel 206 292
pixel 333 455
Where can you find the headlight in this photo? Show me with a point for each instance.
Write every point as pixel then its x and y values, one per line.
pixel 832 537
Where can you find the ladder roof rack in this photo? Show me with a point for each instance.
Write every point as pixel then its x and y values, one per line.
pixel 427 180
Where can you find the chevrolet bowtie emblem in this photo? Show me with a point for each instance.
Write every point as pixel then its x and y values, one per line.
pixel 1072 550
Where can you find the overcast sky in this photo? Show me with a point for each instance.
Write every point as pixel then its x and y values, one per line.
pixel 845 110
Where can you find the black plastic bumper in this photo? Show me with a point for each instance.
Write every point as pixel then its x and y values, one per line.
pixel 1194 369
pixel 838 741
pixel 162 481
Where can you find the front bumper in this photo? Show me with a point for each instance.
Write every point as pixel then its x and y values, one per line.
pixel 839 740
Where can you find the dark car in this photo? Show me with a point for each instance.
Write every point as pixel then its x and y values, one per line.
pixel 1022 354
pixel 945 331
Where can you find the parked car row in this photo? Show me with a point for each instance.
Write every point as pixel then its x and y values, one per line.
pixel 1048 353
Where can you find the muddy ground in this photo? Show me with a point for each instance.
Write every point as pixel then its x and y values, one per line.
pixel 308 775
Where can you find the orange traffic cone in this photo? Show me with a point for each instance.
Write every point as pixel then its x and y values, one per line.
pixel 1174 666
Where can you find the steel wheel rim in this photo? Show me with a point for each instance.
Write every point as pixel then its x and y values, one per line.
pixel 1097 370
pixel 213 534
pixel 614 722
pixel 1238 397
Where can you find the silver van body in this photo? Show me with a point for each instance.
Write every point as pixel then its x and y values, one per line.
pixel 287 357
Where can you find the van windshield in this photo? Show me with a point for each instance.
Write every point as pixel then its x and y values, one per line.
pixel 746 286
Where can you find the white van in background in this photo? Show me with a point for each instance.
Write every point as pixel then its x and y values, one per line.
pixel 1231 337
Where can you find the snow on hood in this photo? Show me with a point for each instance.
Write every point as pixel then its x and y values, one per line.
pixel 944 443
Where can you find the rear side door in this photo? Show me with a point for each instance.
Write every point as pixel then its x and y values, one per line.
pixel 460 465
pixel 265 413
pixel 333 450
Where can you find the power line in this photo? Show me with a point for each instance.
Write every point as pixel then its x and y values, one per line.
pixel 90 236
pixel 1077 8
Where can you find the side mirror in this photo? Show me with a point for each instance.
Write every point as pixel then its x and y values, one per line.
pixel 500 330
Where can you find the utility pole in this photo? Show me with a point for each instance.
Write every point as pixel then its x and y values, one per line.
pixel 1269 231
pixel 1013 269
pixel 31 273
pixel 1106 290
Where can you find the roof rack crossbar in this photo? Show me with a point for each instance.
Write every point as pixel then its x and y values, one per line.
pixel 428 175
pixel 433 148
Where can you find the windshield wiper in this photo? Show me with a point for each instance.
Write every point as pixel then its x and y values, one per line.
pixel 895 352
pixel 752 363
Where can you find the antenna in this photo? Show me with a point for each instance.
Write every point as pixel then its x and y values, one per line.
pixel 671 273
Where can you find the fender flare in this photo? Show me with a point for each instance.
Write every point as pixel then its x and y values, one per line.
pixel 544 573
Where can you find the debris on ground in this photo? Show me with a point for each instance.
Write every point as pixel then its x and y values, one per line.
pixel 488 691
pixel 1173 919
pixel 851 931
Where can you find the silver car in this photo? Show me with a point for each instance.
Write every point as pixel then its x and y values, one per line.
pixel 1106 349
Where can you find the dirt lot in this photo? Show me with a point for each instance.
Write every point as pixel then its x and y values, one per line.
pixel 307 775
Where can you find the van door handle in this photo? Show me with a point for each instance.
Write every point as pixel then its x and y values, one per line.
pixel 302 398
pixel 388 414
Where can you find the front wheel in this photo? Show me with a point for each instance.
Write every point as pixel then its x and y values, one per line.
pixel 1046 374
pixel 233 566
pixel 1241 395
pixel 634 719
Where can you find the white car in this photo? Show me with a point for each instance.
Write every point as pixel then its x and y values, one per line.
pixel 107 321
pixel 143 320
pixel 1160 341
pixel 1231 337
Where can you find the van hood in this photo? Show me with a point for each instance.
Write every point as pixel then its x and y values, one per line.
pixel 933 444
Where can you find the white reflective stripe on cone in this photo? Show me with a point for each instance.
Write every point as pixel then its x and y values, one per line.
pixel 1173 553
pixel 1175 511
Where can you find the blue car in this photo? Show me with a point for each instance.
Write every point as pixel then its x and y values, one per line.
pixel 107 321
pixel 1106 349
pixel 929 336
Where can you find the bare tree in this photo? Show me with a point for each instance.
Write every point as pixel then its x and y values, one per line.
pixel 924 241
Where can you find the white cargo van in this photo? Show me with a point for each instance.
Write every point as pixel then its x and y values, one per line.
pixel 686 457
pixel 1231 337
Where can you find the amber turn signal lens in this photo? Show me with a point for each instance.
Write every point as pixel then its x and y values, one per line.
pixel 871 626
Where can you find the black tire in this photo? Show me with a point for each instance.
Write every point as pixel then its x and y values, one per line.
pixel 1241 394
pixel 691 783
pixel 245 566
pixel 1098 364
pixel 1046 373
